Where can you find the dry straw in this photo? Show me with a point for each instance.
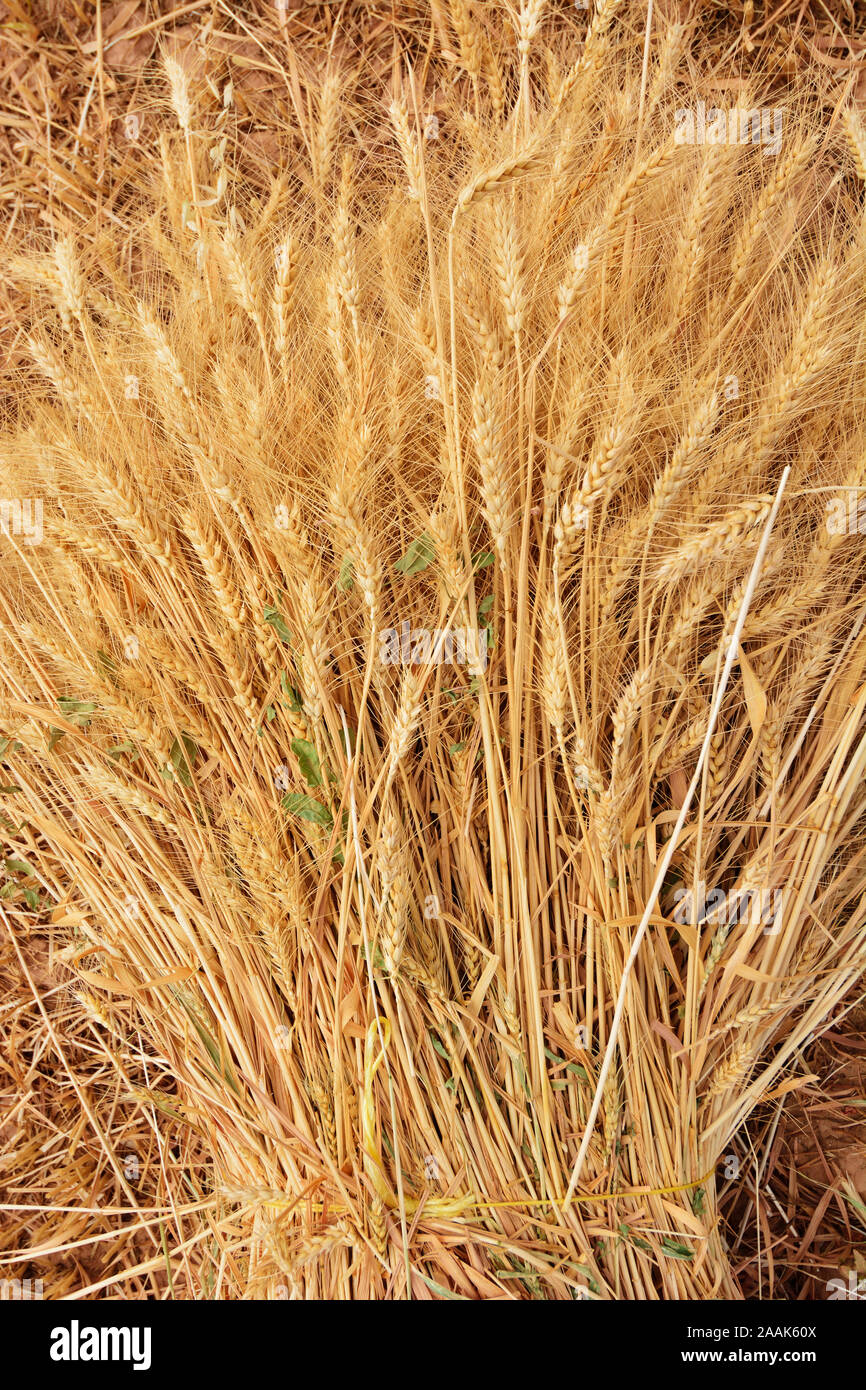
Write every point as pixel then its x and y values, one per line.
pixel 404 958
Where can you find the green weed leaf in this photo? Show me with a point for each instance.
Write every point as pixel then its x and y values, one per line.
pixel 308 808
pixel 274 617
pixel 420 554
pixel 308 760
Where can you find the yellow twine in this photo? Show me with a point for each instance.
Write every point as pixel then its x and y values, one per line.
pixel 600 1196
pixel 454 1206
pixel 373 1166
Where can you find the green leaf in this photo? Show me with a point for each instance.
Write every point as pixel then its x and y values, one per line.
pixel 18 866
pixel 345 580
pixel 522 1077
pixel 854 1201
pixel 7 791
pixel 574 1067
pixel 292 696
pixel 457 747
pixel 183 749
pixel 485 605
pixel 698 1201
pixel 7 745
pixel 438 1045
pixel 588 1276
pixel 635 1240
pixel 31 898
pixel 119 748
pixel 277 622
pixel 308 808
pixel 420 554
pixel 442 1292
pixel 378 961
pixel 76 711
pixel 70 706
pixel 308 760
pixel 483 559
pixel 270 714
pixel 676 1249
pixel 221 1062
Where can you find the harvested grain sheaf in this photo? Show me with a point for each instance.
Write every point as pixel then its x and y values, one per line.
pixel 401 938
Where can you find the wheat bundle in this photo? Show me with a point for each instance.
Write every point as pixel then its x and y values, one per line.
pixel 379 559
